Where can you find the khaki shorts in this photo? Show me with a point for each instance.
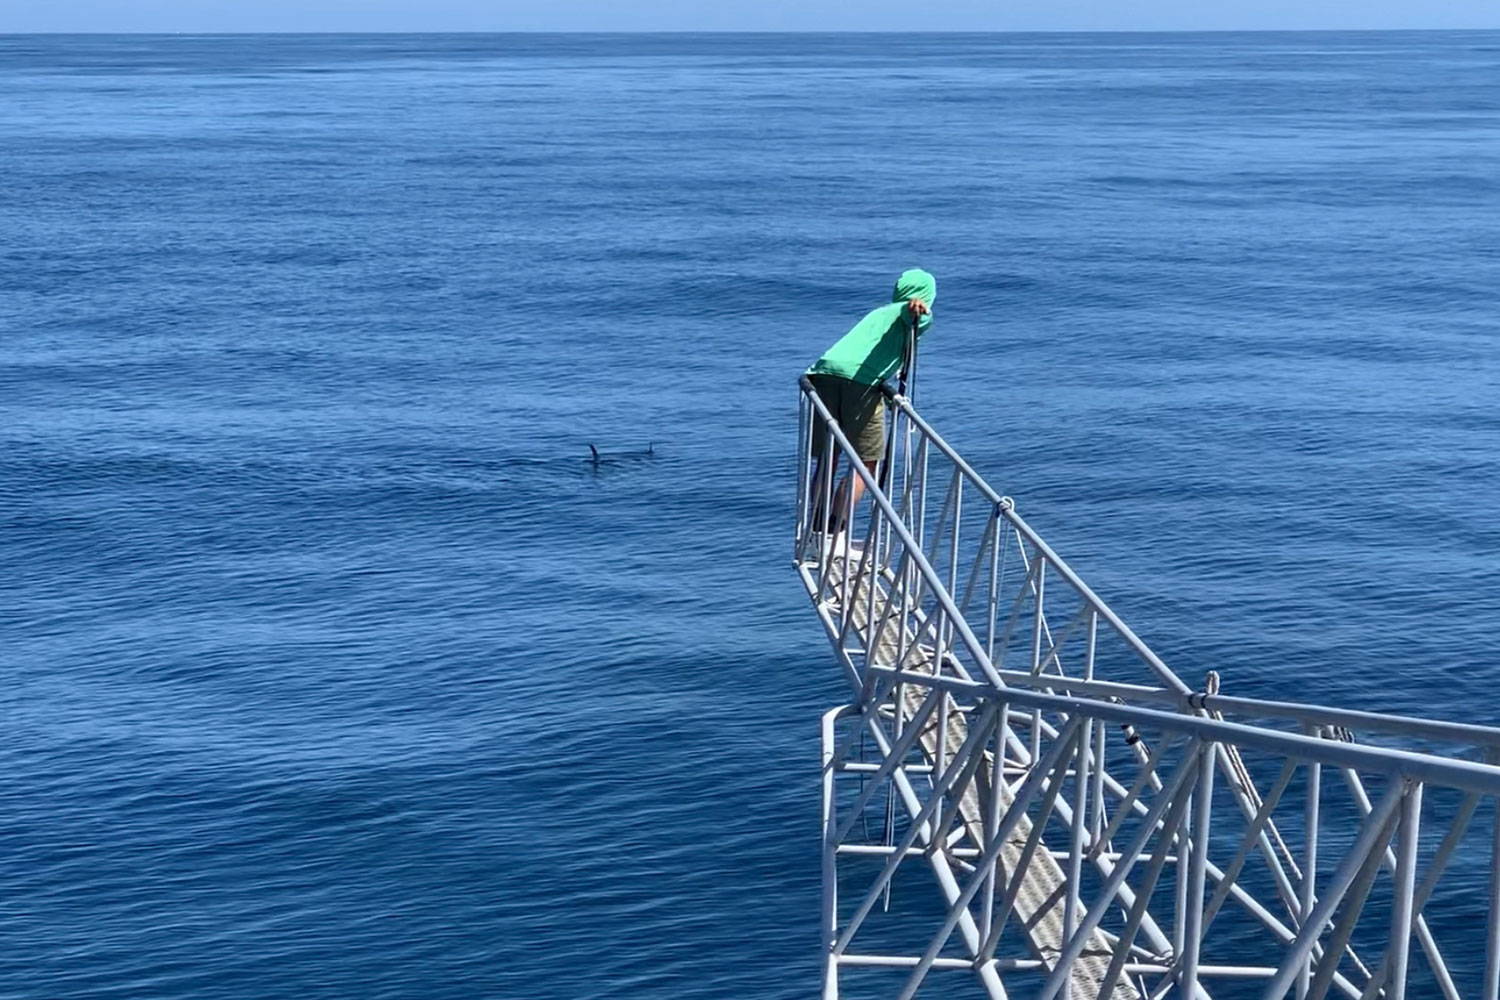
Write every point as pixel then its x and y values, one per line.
pixel 859 411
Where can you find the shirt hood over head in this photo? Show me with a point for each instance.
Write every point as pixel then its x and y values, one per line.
pixel 871 352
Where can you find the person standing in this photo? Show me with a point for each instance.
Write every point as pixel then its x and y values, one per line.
pixel 847 378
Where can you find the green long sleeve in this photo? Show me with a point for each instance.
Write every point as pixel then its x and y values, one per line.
pixel 871 351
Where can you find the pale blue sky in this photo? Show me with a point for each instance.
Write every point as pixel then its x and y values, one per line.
pixel 762 15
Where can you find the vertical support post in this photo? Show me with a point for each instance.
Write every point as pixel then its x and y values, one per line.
pixel 1192 937
pixel 1039 619
pixel 939 640
pixel 1036 648
pixel 804 456
pixel 1003 739
pixel 1000 538
pixel 992 817
pixel 1096 793
pixel 905 508
pixel 830 860
pixel 1087 776
pixel 903 616
pixel 898 700
pixel 918 513
pixel 887 477
pixel 1093 644
pixel 1492 936
pixel 958 516
pixel 1074 901
pixel 870 583
pixel 823 508
pixel 1180 888
pixel 942 733
pixel 848 534
pixel 834 463
pixel 1308 896
pixel 1401 905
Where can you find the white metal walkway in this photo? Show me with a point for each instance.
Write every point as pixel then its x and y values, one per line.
pixel 1095 826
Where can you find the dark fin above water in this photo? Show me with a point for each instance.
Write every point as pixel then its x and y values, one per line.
pixel 604 457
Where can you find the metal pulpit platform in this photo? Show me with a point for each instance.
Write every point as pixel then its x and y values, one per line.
pixel 1019 788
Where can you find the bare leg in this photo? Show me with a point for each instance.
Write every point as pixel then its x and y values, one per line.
pixel 822 515
pixel 841 498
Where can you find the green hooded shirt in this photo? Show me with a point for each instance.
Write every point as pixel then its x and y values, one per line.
pixel 871 352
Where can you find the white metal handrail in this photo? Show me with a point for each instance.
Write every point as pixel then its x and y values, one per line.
pixel 1068 805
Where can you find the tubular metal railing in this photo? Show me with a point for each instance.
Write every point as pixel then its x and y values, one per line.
pixel 1096 826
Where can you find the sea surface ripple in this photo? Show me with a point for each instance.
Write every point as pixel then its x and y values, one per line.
pixel 332 668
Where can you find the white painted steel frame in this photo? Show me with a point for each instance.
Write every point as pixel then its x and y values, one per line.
pixel 1109 776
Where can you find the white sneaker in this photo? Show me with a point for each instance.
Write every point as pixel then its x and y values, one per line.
pixel 842 544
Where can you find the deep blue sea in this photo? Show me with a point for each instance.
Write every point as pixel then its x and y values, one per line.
pixel 331 668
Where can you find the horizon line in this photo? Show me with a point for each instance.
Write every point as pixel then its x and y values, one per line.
pixel 768 31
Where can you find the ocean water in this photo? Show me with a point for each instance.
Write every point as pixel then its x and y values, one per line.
pixel 331 666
